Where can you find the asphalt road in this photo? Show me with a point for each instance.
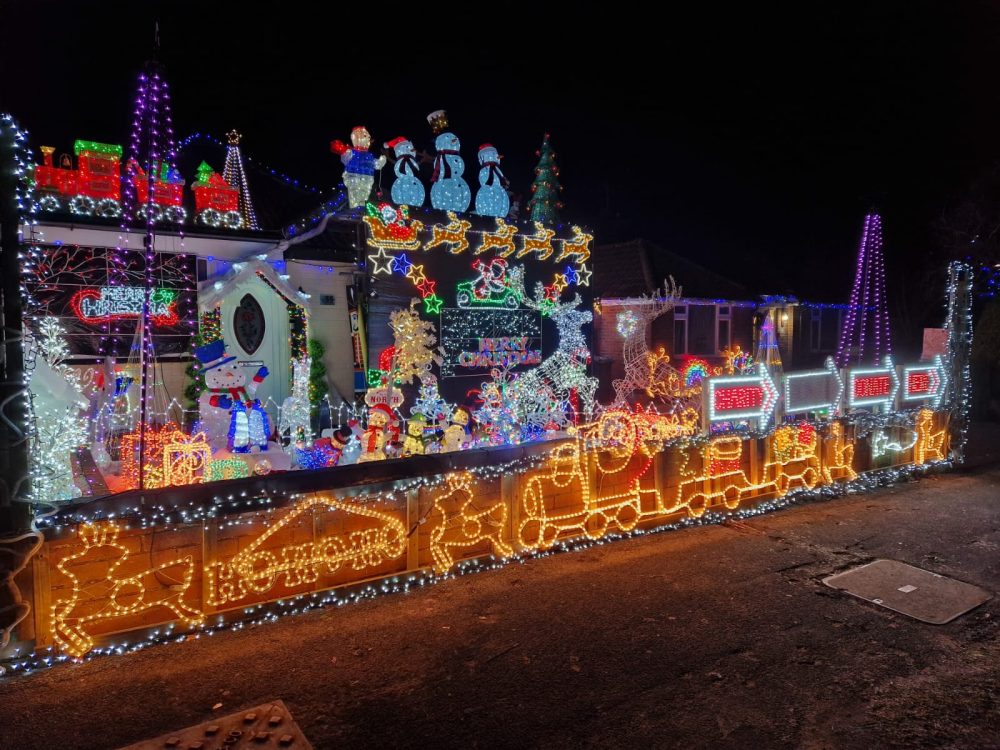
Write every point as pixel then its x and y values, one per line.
pixel 715 637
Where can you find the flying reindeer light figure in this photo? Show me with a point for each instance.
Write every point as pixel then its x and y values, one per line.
pixel 644 370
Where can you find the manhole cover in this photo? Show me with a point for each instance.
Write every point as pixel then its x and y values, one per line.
pixel 269 725
pixel 915 592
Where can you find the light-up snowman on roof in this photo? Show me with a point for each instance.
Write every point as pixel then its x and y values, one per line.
pixel 407 190
pixel 449 192
pixel 492 198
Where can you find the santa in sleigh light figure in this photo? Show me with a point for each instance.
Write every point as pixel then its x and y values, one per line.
pixel 227 408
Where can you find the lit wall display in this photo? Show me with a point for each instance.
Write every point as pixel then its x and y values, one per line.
pixel 474 341
pixel 733 398
pixel 122 302
pixel 925 382
pixel 610 476
pixel 112 589
pixel 814 390
pixel 872 386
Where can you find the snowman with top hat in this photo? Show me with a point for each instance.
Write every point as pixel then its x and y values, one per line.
pixel 449 192
pixel 492 198
pixel 228 411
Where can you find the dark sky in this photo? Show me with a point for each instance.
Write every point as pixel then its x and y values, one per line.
pixel 752 141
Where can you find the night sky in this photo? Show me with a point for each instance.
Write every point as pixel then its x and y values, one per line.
pixel 753 143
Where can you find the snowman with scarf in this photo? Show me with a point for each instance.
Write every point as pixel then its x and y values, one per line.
pixel 492 198
pixel 449 192
pixel 228 410
pixel 407 190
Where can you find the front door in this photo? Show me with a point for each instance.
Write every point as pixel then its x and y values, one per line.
pixel 255 328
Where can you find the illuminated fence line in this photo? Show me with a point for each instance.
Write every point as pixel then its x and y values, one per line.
pixel 613 476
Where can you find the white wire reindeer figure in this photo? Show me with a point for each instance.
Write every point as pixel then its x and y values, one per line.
pixel 565 371
pixel 633 323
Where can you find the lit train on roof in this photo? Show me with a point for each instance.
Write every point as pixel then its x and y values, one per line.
pixel 95 188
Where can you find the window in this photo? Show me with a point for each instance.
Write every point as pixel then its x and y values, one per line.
pixel 248 323
pixel 815 329
pixel 701 330
pixel 680 329
pixel 723 327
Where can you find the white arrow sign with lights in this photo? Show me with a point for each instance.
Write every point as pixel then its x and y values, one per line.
pixel 925 382
pixel 734 398
pixel 872 386
pixel 814 390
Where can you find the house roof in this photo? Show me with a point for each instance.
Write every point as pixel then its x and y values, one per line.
pixel 637 267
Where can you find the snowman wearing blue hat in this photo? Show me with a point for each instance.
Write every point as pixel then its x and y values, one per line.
pixel 228 409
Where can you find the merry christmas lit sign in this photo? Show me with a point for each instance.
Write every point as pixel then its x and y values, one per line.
pixel 477 340
pixel 108 303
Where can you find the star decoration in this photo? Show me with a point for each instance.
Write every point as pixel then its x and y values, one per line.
pixel 415 272
pixel 584 274
pixel 426 287
pixel 432 304
pixel 401 264
pixel 571 275
pixel 559 283
pixel 551 293
pixel 382 262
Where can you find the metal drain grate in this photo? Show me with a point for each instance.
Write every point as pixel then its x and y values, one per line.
pixel 914 592
pixel 268 726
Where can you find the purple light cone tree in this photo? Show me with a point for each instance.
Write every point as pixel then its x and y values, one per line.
pixel 865 337
pixel 152 155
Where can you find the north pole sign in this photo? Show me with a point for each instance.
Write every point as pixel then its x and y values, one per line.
pixel 873 386
pixel 736 398
pixel 814 390
pixel 925 382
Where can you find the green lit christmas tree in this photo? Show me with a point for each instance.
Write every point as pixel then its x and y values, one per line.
pixel 545 203
pixel 204 173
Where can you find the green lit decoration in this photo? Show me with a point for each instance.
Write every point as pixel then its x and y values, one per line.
pixel 545 203
pixel 93 147
pixel 317 375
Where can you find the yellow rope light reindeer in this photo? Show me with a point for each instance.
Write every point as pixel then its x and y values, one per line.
pixel 469 527
pixel 116 595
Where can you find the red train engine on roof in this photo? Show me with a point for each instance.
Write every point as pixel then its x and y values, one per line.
pixel 92 189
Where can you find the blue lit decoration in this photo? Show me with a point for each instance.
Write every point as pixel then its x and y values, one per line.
pixel 492 198
pixel 768 351
pixel 401 264
pixel 407 190
pixel 249 427
pixel 359 165
pixel 449 192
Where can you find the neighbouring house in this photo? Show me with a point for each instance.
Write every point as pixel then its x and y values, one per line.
pixel 714 313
